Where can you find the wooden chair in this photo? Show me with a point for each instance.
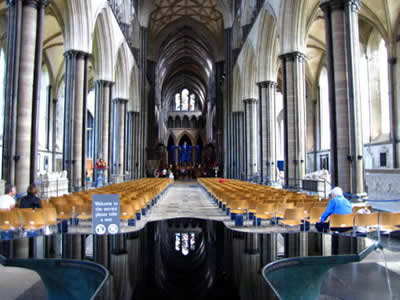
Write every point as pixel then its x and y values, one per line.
pixel 84 211
pixel 50 215
pixel 388 222
pixel 341 223
pixel 64 211
pixel 293 216
pixel 127 212
pixel 8 220
pixel 265 211
pixel 32 219
pixel 315 214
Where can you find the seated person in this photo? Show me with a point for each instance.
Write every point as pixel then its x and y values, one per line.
pixel 31 200
pixel 337 205
pixel 7 201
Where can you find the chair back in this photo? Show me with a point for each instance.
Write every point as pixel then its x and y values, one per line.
pixel 366 219
pixel 341 221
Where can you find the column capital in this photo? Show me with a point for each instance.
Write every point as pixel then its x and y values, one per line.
pixel 292 56
pixel 392 60
pixel 250 100
pixel 122 100
pixel 76 53
pixel 267 84
pixel 330 5
pixel 31 3
pixel 104 83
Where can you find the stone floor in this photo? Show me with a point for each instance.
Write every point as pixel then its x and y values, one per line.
pixel 365 280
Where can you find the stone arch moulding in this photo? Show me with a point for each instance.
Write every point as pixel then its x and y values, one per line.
pixel 193 138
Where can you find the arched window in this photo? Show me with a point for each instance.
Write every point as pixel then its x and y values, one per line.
pixel 178 102
pixel 384 88
pixel 2 102
pixel 185 242
pixel 364 90
pixel 324 119
pixel 60 118
pixel 279 128
pixel 185 100
pixel 44 109
pixel 90 124
pixel 375 102
pixel 192 102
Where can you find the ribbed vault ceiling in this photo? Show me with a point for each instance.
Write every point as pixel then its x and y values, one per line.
pixel 203 11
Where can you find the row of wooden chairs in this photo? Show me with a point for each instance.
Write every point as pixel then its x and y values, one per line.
pixel 28 219
pixel 285 206
pixel 135 196
pixel 262 201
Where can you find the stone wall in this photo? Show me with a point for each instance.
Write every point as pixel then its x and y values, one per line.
pixel 53 184
pixel 383 184
pixel 372 156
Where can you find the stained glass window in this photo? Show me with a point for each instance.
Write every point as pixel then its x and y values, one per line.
pixel 192 102
pixel 178 102
pixel 185 100
pixel 185 242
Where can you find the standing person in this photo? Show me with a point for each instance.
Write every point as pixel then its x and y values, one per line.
pixel 31 200
pixel 337 204
pixel 7 201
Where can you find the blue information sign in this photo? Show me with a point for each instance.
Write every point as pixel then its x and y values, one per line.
pixel 105 214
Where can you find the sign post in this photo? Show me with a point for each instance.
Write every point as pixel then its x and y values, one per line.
pixel 105 214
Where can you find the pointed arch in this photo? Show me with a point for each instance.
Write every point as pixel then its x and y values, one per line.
pixel 250 70
pixel 134 103
pixel 123 68
pixel 78 16
pixel 107 36
pixel 237 104
pixel 268 45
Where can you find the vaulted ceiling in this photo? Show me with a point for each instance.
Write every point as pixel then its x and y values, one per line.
pixel 203 11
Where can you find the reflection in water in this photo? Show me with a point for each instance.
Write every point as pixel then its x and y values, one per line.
pixel 191 258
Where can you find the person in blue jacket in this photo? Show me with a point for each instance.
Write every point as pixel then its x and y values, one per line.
pixel 337 204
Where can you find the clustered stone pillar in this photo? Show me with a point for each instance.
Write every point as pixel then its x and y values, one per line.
pixel 229 163
pixel 341 23
pixel 24 36
pixel 267 131
pixel 251 136
pixel 294 102
pixel 394 71
pixel 102 119
pixel 135 142
pixel 75 125
pixel 239 158
pixel 122 120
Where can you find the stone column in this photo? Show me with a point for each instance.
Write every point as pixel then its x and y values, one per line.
pixel 129 143
pixel 341 24
pixel 74 122
pixel 24 34
pixel 36 90
pixel 235 162
pixel 241 138
pixel 54 134
pixel 122 141
pixel 143 97
pixel 394 110
pixel 228 116
pixel 294 102
pixel 102 119
pixel 136 144
pixel 251 136
pixel 267 131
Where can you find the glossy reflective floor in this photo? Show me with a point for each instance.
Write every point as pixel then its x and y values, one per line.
pixel 191 258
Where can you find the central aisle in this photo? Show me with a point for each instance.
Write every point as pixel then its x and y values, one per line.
pixel 186 200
